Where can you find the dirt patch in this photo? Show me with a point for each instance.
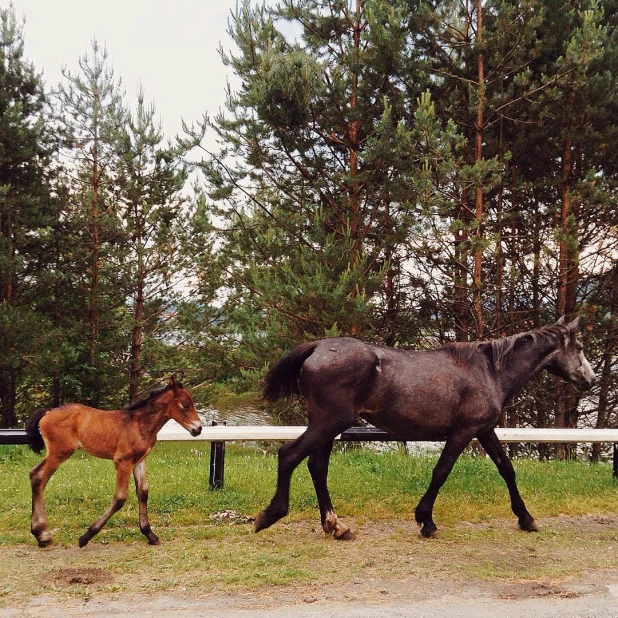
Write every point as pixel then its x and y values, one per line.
pixel 61 578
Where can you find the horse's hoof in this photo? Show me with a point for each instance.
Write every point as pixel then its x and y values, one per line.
pixel 154 541
pixel 266 519
pixel 429 531
pixel 44 542
pixel 259 523
pixel 348 535
pixel 529 526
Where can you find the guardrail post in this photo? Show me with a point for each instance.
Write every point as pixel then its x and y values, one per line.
pixel 217 462
pixel 615 460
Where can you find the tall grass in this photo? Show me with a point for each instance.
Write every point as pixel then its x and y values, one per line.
pixel 364 486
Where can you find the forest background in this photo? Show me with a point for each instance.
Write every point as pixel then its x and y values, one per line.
pixel 407 172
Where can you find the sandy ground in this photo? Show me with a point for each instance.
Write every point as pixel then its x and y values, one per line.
pixel 395 592
pixel 593 594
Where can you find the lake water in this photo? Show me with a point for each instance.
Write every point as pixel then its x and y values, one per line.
pixel 250 415
pixel 247 415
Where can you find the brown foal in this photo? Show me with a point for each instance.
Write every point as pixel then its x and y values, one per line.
pixel 125 436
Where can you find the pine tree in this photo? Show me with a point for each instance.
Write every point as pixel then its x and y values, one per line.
pixel 24 212
pixel 318 181
pixel 93 119
pixel 151 178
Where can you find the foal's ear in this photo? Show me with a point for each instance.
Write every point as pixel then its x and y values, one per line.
pixel 173 385
pixel 561 321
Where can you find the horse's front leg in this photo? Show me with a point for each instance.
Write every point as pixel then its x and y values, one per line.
pixel 141 488
pixel 318 467
pixel 453 448
pixel 123 474
pixel 489 441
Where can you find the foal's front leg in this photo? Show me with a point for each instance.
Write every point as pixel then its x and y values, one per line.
pixel 123 473
pixel 141 488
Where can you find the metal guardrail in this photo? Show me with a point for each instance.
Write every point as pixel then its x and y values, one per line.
pixel 218 435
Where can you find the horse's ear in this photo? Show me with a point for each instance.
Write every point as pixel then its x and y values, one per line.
pixel 173 385
pixel 561 321
pixel 574 326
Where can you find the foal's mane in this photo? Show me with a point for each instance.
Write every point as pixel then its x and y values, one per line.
pixel 152 395
pixel 501 350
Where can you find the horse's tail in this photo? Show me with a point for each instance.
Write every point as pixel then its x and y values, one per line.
pixel 35 439
pixel 282 379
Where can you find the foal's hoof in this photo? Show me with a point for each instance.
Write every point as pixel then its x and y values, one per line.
pixel 44 542
pixel 154 541
pixel 83 540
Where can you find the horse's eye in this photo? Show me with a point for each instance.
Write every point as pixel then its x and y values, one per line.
pixel 185 405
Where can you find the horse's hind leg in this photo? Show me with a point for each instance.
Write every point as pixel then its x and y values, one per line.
pixel 39 477
pixel 141 488
pixel 489 441
pixel 290 455
pixel 123 473
pixel 452 450
pixel 318 467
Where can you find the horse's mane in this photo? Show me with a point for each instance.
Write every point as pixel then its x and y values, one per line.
pixel 500 350
pixel 139 403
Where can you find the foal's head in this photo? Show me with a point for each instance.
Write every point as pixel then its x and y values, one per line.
pixel 179 405
pixel 569 361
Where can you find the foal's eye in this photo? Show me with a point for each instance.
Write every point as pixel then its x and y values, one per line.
pixel 185 405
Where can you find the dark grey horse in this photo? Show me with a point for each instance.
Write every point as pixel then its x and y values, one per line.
pixel 455 392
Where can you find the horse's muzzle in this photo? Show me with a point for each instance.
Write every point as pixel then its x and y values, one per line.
pixel 196 431
pixel 585 383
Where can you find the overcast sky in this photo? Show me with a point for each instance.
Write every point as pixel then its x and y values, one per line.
pixel 170 46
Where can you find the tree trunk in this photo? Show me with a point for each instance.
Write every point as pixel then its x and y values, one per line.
pixel 605 381
pixel 478 156
pixel 7 398
pixel 566 397
pixel 135 369
pixel 94 383
pixel 460 273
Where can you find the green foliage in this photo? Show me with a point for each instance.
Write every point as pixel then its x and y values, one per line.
pixel 394 171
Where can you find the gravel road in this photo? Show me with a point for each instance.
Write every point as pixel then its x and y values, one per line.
pixel 594 594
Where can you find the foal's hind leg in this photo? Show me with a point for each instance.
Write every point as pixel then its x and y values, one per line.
pixel 141 488
pixel 123 473
pixel 489 441
pixel 318 467
pixel 39 477
pixel 452 450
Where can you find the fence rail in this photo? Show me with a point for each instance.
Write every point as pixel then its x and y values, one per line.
pixel 220 434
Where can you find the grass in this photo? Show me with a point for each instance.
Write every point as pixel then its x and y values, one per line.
pixel 376 494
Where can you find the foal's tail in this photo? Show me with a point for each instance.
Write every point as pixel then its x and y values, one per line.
pixel 282 379
pixel 35 439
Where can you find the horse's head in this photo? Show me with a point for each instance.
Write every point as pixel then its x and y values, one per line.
pixel 182 409
pixel 568 361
